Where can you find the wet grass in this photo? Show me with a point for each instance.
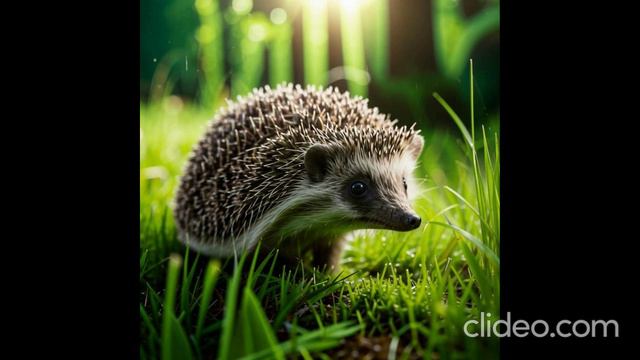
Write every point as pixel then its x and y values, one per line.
pixel 400 295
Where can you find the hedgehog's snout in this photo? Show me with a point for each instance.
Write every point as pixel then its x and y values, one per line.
pixel 406 221
pixel 397 217
pixel 413 221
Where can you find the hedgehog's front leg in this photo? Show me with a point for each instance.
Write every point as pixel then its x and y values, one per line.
pixel 327 253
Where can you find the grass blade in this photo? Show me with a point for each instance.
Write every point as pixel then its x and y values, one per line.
pixel 210 279
pixel 477 242
pixel 231 302
pixel 175 344
pixel 253 330
pixel 456 119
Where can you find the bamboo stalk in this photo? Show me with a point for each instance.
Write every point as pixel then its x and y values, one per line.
pixel 353 48
pixel 315 42
pixel 210 41
pixel 280 50
pixel 380 49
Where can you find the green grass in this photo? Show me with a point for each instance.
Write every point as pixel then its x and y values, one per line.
pixel 401 295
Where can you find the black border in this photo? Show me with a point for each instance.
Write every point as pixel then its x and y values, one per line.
pixel 566 152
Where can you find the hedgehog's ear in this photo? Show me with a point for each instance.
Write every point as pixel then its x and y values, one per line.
pixel 316 161
pixel 415 148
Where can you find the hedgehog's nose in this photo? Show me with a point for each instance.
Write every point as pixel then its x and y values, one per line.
pixel 413 221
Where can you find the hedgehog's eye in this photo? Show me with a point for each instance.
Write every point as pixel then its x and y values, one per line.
pixel 358 188
pixel 404 183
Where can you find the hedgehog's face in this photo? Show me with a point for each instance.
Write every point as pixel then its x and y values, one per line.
pixel 365 190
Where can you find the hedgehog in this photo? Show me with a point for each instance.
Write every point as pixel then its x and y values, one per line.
pixel 297 169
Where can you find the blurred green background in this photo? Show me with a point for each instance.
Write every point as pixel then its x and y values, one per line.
pixel 397 53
